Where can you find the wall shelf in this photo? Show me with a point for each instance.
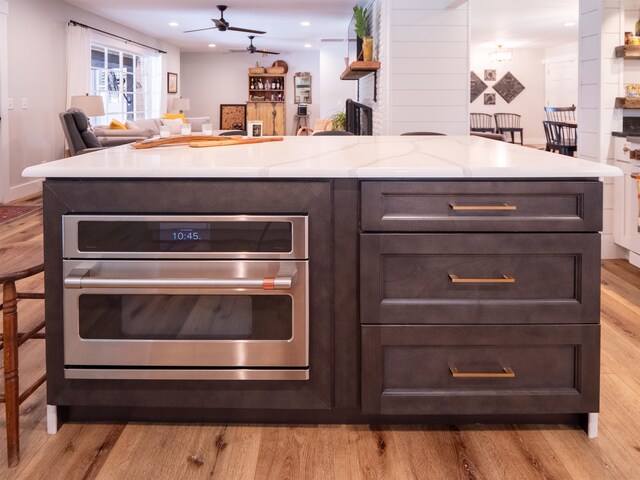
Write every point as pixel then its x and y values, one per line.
pixel 628 51
pixel 359 69
pixel 628 103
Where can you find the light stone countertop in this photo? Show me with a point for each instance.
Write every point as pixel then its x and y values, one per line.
pixel 330 157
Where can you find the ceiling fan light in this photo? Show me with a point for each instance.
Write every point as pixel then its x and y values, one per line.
pixel 174 24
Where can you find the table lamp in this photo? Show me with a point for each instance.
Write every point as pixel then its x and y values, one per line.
pixel 181 104
pixel 91 105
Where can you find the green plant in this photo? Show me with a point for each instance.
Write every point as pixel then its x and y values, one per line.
pixel 360 21
pixel 339 121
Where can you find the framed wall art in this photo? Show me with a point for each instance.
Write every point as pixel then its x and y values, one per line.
pixel 477 86
pixel 490 75
pixel 233 116
pixel 172 82
pixel 489 98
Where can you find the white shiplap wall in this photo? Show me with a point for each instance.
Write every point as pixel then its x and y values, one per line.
pixel 429 67
pixel 600 83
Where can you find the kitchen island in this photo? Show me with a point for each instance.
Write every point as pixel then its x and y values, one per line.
pixel 448 279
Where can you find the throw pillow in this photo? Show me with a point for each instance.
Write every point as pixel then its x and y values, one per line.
pixel 197 122
pixel 171 116
pixel 175 125
pixel 116 125
pixel 131 125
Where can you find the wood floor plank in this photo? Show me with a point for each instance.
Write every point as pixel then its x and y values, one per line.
pixel 76 452
pixel 506 452
pixel 165 452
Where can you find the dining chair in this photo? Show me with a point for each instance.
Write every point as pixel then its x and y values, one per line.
pixel 332 132
pixel 481 122
pixel 422 133
pixel 561 137
pixel 509 123
pixel 561 114
pixel 234 132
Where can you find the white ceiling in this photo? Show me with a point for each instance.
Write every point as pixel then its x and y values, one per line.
pixel 515 23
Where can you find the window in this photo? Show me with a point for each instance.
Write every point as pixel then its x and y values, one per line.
pixel 129 83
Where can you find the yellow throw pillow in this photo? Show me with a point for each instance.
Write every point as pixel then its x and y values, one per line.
pixel 116 125
pixel 173 116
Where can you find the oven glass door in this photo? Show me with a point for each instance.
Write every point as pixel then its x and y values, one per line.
pixel 186 313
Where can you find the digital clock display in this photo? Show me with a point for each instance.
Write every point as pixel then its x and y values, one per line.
pixel 184 232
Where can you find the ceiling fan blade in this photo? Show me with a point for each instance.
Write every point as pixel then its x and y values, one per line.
pixel 199 29
pixel 220 24
pixel 236 29
pixel 244 50
pixel 268 52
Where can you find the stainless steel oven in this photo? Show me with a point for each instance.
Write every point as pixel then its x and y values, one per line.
pixel 186 297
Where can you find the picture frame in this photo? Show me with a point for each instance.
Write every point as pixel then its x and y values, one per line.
pixel 489 98
pixel 490 75
pixel 233 116
pixel 172 82
pixel 254 128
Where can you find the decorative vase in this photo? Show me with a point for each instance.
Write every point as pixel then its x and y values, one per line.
pixel 367 48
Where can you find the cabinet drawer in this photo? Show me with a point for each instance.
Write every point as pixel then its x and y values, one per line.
pixel 481 206
pixel 479 278
pixel 541 369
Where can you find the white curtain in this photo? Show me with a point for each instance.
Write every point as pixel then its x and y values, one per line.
pixel 78 61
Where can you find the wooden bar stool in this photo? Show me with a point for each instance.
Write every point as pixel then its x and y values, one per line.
pixel 300 121
pixel 17 261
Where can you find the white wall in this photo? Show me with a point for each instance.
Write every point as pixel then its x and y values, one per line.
pixel 429 67
pixel 4 130
pixel 600 82
pixel 528 68
pixel 333 91
pixel 211 79
pixel 561 75
pixel 37 72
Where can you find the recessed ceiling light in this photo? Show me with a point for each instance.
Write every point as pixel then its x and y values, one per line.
pixel 305 24
pixel 173 24
pixel 212 45
pixel 307 45
pixel 569 24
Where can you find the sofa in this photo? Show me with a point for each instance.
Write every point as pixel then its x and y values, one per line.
pixel 147 128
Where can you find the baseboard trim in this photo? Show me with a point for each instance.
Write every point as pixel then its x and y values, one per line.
pixel 24 190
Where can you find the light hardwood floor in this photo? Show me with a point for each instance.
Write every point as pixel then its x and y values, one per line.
pixel 230 452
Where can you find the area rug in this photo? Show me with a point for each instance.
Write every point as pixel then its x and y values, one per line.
pixel 11 212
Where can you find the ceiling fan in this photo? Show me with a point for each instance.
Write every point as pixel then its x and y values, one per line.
pixel 222 25
pixel 252 48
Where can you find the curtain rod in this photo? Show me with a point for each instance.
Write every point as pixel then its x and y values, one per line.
pixel 78 24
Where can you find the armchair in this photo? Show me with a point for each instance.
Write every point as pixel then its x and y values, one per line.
pixel 75 126
pixel 80 139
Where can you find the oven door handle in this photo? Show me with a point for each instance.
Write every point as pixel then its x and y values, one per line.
pixel 81 278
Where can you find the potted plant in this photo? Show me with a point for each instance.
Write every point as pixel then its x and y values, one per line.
pixel 360 21
pixel 339 121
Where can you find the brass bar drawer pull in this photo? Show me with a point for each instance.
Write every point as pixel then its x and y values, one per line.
pixel 506 373
pixel 470 208
pixel 505 279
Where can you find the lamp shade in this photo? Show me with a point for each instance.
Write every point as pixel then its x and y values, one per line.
pixel 91 105
pixel 181 104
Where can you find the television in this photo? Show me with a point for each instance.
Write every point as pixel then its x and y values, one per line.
pixel 359 118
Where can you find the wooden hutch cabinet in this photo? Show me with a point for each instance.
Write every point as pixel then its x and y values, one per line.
pixel 266 102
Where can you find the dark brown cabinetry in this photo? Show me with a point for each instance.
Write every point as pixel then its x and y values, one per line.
pixel 428 301
pixel 500 369
pixel 501 319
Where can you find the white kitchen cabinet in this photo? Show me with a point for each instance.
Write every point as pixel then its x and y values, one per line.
pixel 626 208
